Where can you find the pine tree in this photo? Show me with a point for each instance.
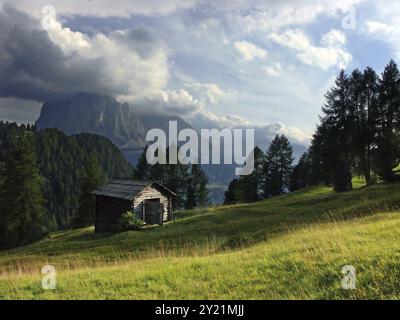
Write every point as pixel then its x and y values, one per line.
pixel 278 166
pixel 319 158
pixel 342 177
pixel 233 193
pixel 368 128
pixel 94 178
pixel 387 154
pixel 143 168
pixel 21 197
pixel 301 174
pixel 190 201
pixel 200 182
pixel 253 184
pixel 337 125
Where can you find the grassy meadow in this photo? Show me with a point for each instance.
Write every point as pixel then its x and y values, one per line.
pixel 290 247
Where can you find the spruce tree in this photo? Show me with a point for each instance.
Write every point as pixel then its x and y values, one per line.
pixel 143 167
pixel 233 193
pixel 94 178
pixel 369 128
pixel 253 184
pixel 387 154
pixel 191 197
pixel 200 183
pixel 21 198
pixel 337 124
pixel 278 166
pixel 301 174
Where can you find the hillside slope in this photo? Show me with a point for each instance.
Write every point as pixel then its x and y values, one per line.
pixel 289 247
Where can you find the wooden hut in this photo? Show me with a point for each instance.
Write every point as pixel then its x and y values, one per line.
pixel 150 201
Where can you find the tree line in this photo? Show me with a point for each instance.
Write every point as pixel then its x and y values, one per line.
pixel 359 129
pixel 271 175
pixel 358 134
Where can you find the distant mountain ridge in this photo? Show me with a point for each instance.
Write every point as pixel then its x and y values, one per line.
pixel 103 115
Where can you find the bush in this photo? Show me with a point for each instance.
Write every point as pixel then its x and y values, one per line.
pixel 128 221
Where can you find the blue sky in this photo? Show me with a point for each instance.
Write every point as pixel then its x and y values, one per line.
pixel 215 63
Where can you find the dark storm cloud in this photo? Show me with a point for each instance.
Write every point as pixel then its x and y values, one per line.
pixel 32 66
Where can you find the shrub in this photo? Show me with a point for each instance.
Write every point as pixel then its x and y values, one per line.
pixel 128 221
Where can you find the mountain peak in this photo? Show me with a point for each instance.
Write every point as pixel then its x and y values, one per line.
pixel 103 115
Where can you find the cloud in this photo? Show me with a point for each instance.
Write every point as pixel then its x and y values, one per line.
pixel 211 93
pixel 329 54
pixel 333 39
pixel 271 15
pixel 42 65
pixel 380 27
pixel 249 51
pixel 181 103
pixel 383 25
pixel 387 32
pixel 104 8
pixel 274 71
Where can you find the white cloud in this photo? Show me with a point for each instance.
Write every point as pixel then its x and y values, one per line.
pixel 384 23
pixel 274 71
pixel 249 51
pixel 294 133
pixel 134 62
pixel 180 102
pixel 211 93
pixel 271 15
pixel 195 112
pixel 388 32
pixel 333 39
pixel 329 54
pixel 380 27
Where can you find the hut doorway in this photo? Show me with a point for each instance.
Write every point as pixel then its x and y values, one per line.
pixel 153 211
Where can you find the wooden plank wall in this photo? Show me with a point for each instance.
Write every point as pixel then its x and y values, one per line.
pixel 152 193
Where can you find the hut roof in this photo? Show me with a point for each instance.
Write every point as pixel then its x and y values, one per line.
pixel 128 189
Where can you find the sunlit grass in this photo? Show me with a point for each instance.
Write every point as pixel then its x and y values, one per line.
pixel 289 247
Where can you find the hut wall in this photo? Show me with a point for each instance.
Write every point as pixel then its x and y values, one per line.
pixel 108 211
pixel 152 193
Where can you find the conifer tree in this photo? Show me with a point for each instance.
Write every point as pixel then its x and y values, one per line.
pixel 21 198
pixel 143 168
pixel 253 184
pixel 337 123
pixel 387 155
pixel 278 166
pixel 301 174
pixel 94 178
pixel 200 183
pixel 233 193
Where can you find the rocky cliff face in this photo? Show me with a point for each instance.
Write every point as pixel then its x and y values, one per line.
pixel 103 115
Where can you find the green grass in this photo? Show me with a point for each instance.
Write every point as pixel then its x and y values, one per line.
pixel 289 247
